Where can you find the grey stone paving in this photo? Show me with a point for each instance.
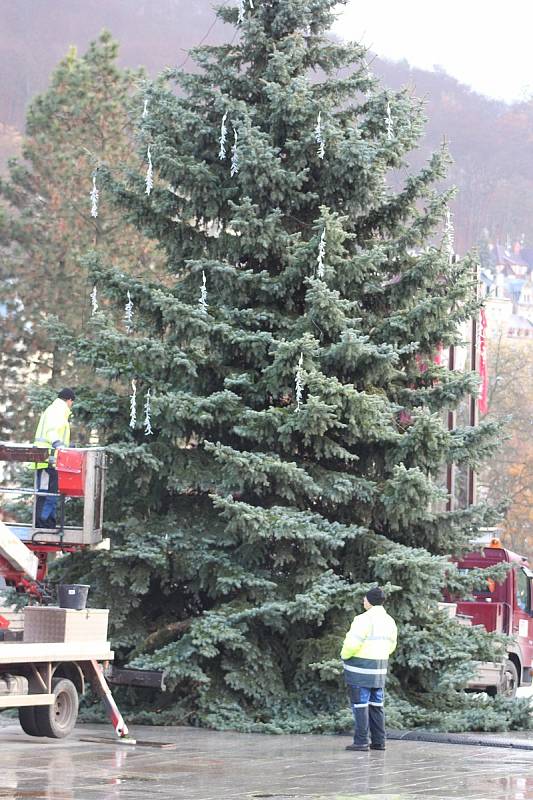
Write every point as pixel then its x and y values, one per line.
pixel 210 765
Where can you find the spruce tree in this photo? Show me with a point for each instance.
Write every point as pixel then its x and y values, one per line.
pixel 297 410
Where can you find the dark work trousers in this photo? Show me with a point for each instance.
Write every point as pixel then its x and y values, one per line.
pixel 367 708
pixel 45 515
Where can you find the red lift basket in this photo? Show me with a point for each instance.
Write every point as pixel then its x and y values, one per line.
pixel 70 465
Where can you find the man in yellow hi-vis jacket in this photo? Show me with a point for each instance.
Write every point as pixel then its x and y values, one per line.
pixel 53 431
pixel 365 653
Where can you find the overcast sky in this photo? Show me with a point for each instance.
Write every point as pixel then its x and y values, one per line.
pixel 487 45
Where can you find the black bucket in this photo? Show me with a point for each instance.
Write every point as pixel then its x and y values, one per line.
pixel 72 595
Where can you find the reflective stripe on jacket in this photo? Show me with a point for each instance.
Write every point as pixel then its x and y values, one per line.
pixel 367 646
pixel 53 427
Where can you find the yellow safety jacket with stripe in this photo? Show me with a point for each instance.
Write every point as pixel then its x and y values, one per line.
pixel 53 427
pixel 367 646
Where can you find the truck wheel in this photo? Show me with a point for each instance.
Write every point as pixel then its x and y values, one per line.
pixel 509 684
pixel 27 720
pixel 58 720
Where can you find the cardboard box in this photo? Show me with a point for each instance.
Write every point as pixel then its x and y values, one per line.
pixel 53 624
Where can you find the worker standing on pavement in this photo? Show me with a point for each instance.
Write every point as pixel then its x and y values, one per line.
pixel 365 653
pixel 53 431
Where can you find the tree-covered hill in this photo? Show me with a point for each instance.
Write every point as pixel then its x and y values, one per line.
pixel 490 142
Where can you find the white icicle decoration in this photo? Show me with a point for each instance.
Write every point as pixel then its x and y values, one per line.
pixel 390 124
pixel 128 312
pixel 299 382
pixel 94 198
pixel 448 240
pixel 202 302
pixel 319 137
pixel 94 300
pixel 223 137
pixel 321 255
pixel 240 18
pixel 145 108
pixel 149 173
pixel 133 404
pixel 234 155
pixel 367 77
pixel 148 414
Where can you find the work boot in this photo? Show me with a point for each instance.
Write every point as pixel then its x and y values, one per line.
pixel 362 748
pixel 377 746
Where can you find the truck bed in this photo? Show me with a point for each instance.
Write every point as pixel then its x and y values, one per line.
pixel 28 652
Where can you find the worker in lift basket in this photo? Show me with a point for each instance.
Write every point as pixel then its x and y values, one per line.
pixel 365 653
pixel 53 431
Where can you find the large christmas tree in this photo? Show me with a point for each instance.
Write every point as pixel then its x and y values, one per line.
pixel 288 440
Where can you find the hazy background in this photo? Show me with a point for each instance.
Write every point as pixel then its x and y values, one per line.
pixel 490 140
pixel 486 45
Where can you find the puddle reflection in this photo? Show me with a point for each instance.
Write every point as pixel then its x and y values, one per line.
pixel 61 777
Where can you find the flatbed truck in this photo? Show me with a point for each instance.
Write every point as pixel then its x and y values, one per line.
pixel 45 680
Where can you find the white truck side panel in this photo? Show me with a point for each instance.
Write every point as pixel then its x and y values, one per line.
pixel 27 652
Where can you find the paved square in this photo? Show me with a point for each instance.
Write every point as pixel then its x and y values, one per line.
pixel 210 765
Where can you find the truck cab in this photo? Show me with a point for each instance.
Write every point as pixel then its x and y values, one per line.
pixel 507 608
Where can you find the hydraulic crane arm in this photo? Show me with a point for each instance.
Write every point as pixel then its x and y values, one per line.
pixel 15 556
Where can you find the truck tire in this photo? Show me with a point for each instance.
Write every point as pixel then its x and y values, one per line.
pixel 27 720
pixel 58 720
pixel 510 682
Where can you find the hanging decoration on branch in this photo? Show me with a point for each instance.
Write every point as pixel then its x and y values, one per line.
pixel 149 173
pixel 94 300
pixel 319 137
pixel 145 108
pixel 128 313
pixel 95 194
pixel 148 414
pixel 448 239
pixel 234 154
pixel 390 123
pixel 133 404
pixel 202 302
pixel 299 382
pixel 242 5
pixel 223 137
pixel 321 255
pixel 367 76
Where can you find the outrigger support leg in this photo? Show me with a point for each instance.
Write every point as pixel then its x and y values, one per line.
pixel 96 677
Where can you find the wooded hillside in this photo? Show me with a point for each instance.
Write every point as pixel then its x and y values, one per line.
pixel 491 143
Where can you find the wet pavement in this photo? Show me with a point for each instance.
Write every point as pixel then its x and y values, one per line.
pixel 209 765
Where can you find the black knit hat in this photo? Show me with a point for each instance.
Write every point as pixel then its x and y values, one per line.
pixel 375 596
pixel 66 394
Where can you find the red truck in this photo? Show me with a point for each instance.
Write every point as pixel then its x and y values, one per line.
pixel 507 608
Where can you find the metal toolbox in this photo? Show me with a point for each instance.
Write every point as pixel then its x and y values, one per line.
pixel 53 624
